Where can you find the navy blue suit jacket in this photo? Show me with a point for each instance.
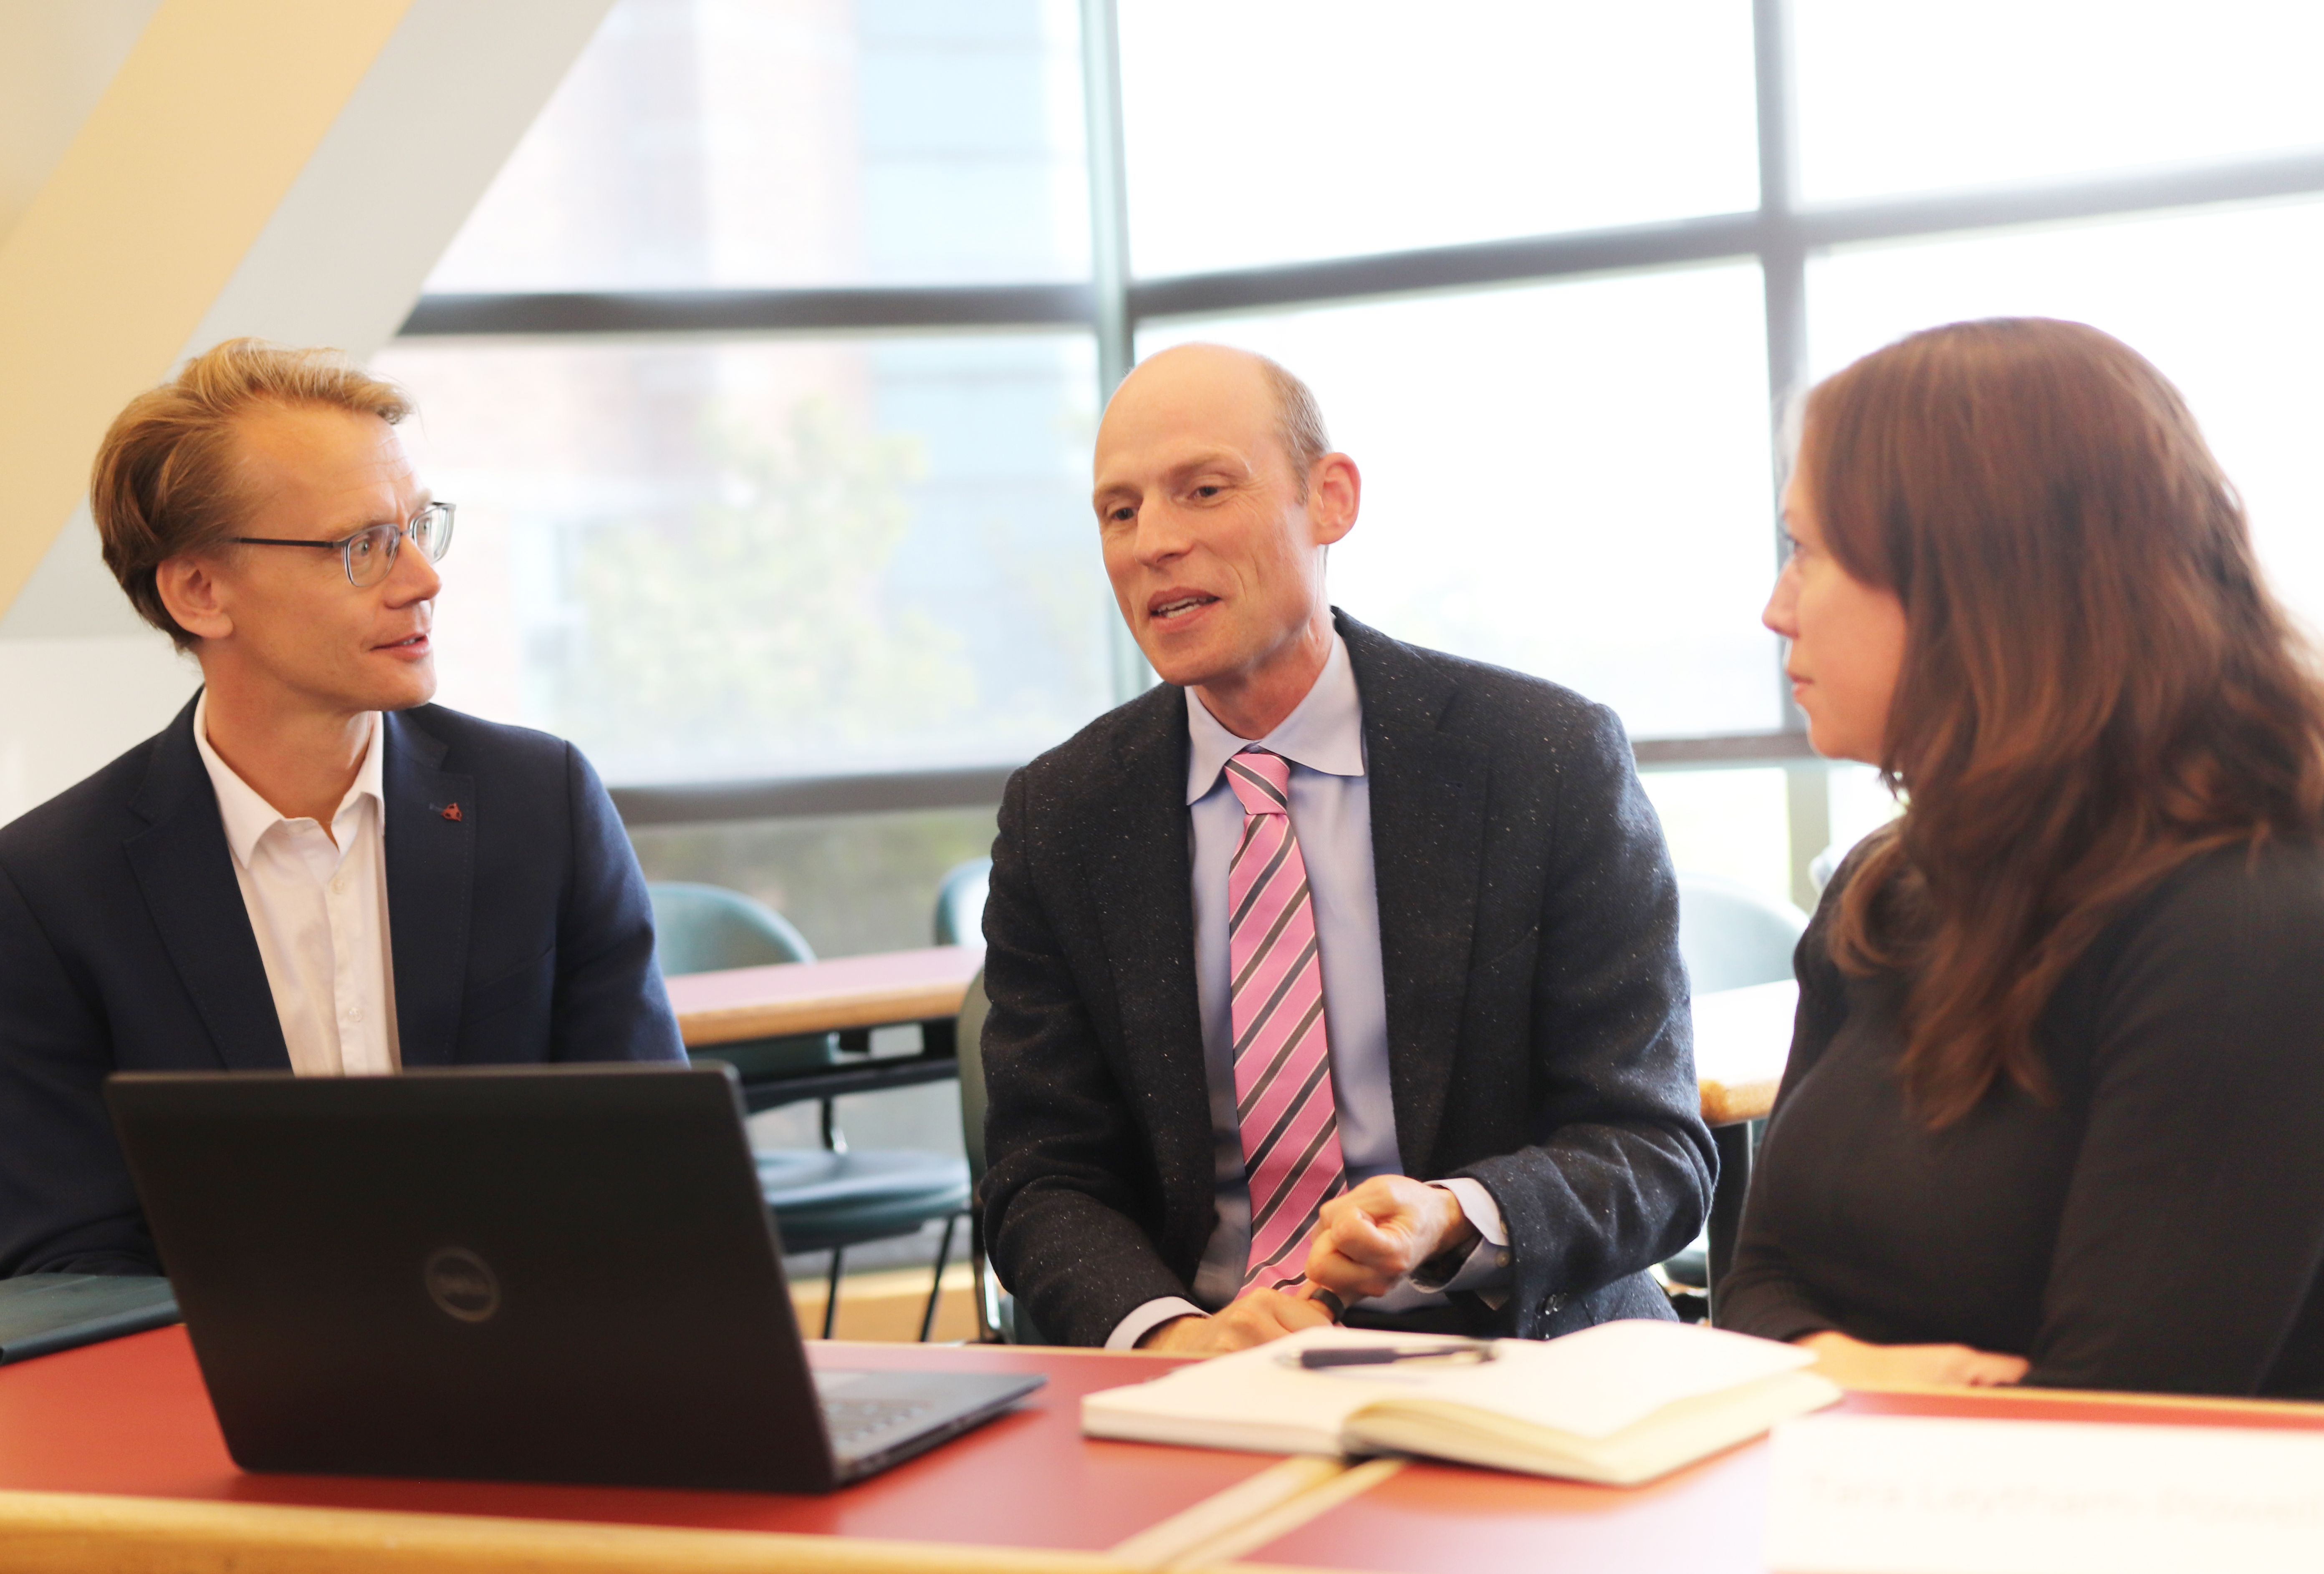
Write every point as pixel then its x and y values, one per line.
pixel 521 932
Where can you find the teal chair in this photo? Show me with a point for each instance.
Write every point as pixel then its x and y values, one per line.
pixel 702 929
pixel 1730 937
pixel 824 1199
pixel 960 921
pixel 960 902
pixel 998 1319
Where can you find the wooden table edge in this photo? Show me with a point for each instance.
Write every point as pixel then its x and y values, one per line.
pixel 703 1028
pixel 1731 1103
pixel 60 1533
pixel 2234 1404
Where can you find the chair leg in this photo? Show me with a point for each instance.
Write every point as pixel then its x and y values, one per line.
pixel 1737 1149
pixel 834 1140
pixel 831 1297
pixel 986 1289
pixel 936 1288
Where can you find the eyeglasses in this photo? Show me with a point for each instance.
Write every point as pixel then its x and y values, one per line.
pixel 370 553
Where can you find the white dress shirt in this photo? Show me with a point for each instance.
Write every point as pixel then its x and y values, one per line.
pixel 1331 816
pixel 318 905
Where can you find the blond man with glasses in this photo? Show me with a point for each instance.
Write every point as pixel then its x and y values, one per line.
pixel 312 868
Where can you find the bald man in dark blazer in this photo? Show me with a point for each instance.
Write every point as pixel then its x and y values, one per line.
pixel 1509 1051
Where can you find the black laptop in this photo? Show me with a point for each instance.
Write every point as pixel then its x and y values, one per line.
pixel 534 1273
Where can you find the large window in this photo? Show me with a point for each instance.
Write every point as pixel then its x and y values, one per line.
pixel 1279 131
pixel 2228 302
pixel 767 372
pixel 1541 492
pixel 746 145
pixel 718 554
pixel 1913 97
pixel 772 557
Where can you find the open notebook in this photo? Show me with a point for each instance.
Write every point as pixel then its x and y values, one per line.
pixel 1619 1403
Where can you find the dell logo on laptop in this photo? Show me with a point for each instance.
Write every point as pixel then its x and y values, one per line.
pixel 462 1283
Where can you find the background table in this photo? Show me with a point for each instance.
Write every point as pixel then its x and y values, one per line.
pixel 1741 1039
pixel 848 994
pixel 1741 1036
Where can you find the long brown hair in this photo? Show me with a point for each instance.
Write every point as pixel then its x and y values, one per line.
pixel 2097 684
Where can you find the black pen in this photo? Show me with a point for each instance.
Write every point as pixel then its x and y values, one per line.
pixel 1381 1355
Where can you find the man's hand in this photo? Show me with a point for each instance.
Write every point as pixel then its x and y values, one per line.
pixel 1369 1240
pixel 1853 1364
pixel 1252 1318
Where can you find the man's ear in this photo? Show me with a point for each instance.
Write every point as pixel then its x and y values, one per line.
pixel 1335 490
pixel 190 588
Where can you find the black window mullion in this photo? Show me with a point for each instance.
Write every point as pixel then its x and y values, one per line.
pixel 1783 256
pixel 1109 188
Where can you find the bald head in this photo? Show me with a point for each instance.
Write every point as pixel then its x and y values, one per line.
pixel 1297 418
pixel 1217 493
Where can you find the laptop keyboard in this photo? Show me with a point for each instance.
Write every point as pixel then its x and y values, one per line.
pixel 852 1420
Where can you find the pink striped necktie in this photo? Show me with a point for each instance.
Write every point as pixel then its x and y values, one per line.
pixel 1283 1059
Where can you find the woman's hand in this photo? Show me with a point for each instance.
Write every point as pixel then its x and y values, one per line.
pixel 1853 1364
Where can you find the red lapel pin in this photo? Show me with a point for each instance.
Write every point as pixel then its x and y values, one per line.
pixel 451 811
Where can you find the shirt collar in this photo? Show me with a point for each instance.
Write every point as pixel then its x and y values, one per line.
pixel 1325 731
pixel 246 815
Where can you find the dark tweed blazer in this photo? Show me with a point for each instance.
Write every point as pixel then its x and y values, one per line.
pixel 1538 1030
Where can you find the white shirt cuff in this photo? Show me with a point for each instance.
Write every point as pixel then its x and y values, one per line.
pixel 1149 1317
pixel 1488 1266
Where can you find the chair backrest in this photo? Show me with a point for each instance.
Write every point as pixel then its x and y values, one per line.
pixel 1731 936
pixel 997 1313
pixel 969 1037
pixel 960 902
pixel 700 929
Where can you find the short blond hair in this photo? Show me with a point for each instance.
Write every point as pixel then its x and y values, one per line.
pixel 164 482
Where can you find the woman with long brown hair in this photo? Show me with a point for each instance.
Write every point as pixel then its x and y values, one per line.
pixel 2055 1111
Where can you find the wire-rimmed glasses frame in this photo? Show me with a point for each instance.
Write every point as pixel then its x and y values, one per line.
pixel 370 553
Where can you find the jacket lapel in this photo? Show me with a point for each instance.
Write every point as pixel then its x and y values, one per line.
pixel 1140 869
pixel 1428 793
pixel 186 872
pixel 431 819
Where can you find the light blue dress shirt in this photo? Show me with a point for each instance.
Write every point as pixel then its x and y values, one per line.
pixel 1331 816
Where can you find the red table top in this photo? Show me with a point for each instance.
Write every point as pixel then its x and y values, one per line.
pixel 1709 1518
pixel 131 1418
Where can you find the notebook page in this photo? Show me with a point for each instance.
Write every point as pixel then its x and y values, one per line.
pixel 1258 1398
pixel 1595 1383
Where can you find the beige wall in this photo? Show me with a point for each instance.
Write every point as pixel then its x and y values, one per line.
pixel 76 672
pixel 173 172
pixel 56 57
